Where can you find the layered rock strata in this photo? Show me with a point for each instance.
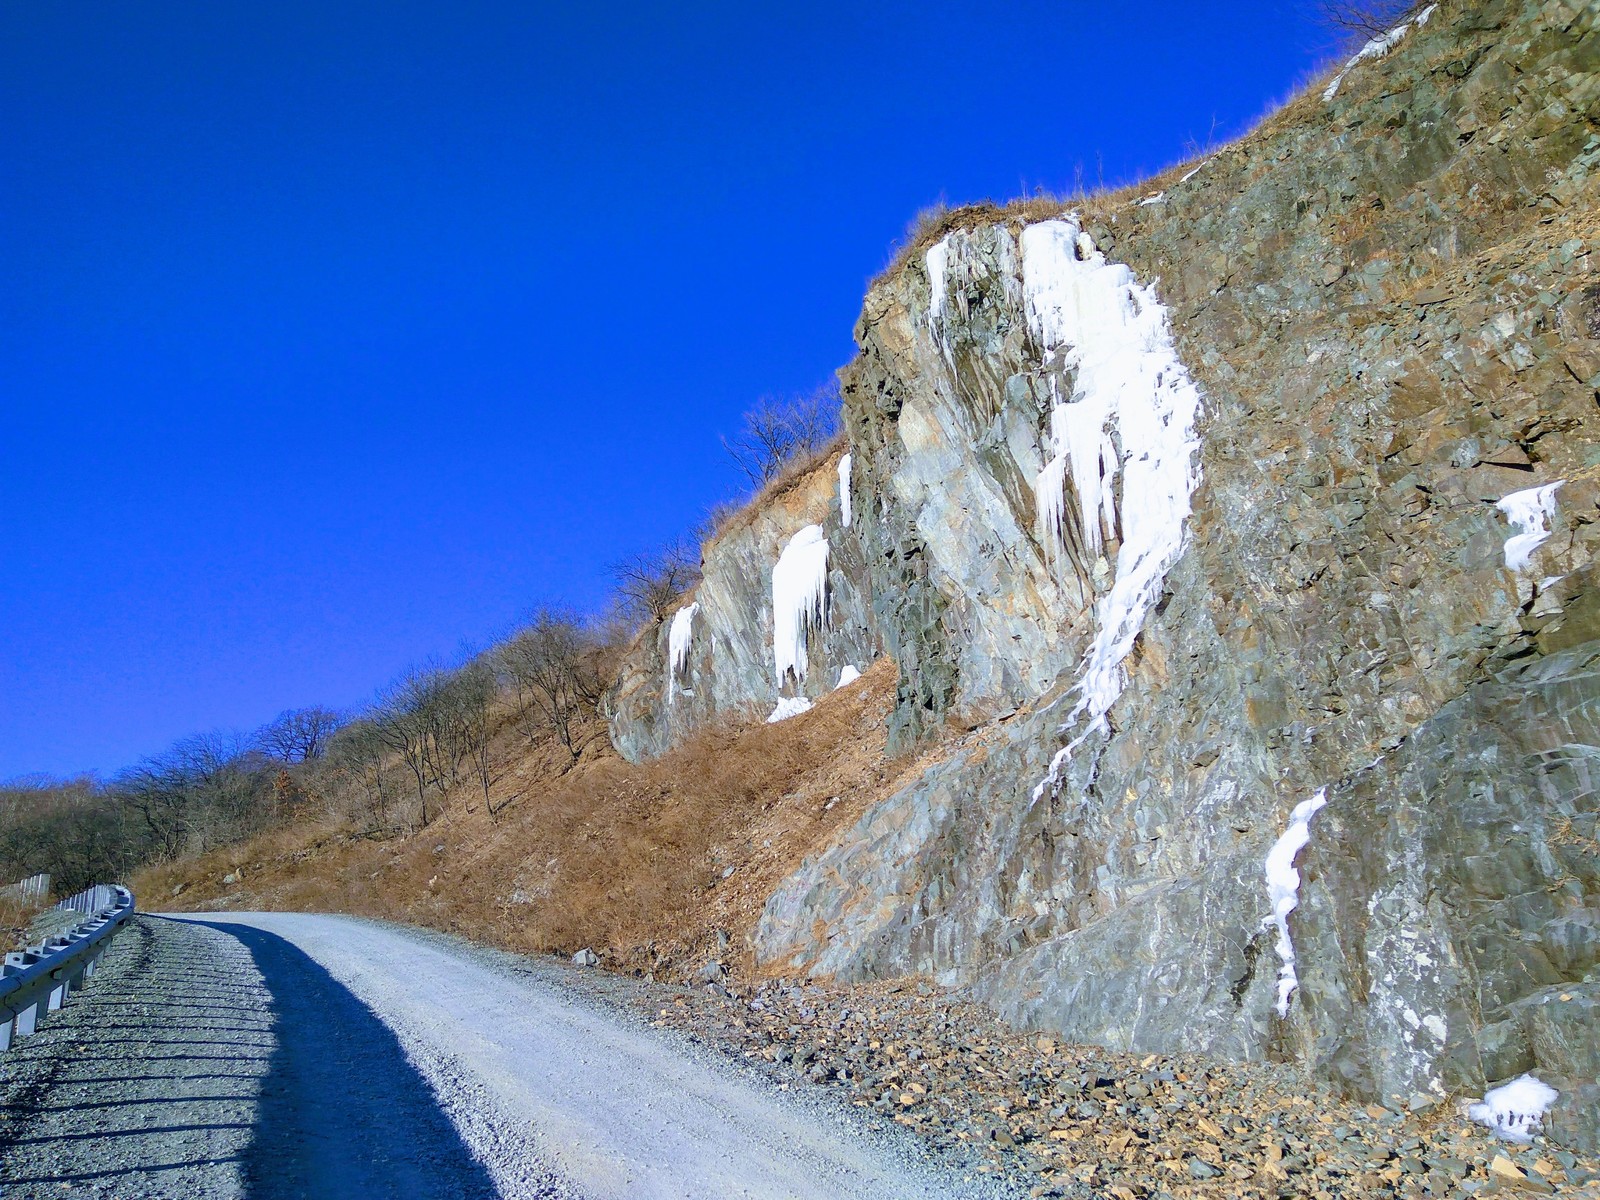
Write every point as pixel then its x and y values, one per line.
pixel 1390 304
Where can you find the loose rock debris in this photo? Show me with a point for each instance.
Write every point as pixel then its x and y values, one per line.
pixel 1080 1121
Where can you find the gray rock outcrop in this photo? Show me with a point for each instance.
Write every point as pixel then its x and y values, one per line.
pixel 729 670
pixel 1391 304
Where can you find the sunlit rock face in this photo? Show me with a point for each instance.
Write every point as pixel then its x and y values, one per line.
pixel 727 664
pixel 1388 306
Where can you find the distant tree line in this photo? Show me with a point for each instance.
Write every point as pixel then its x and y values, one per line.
pixel 388 769
pixel 440 733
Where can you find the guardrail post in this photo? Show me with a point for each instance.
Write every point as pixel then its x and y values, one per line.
pixel 58 994
pixel 42 978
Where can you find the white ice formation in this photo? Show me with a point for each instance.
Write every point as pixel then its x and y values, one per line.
pixel 678 638
pixel 1530 511
pixel 844 490
pixel 1131 414
pixel 789 706
pixel 848 674
pixel 799 600
pixel 1515 1111
pixel 938 263
pixel 1283 889
pixel 1377 48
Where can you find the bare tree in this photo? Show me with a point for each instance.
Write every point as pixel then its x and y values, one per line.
pixel 1365 18
pixel 403 721
pixel 70 829
pixel 204 790
pixel 298 734
pixel 649 584
pixel 552 662
pixel 778 431
pixel 476 688
pixel 356 766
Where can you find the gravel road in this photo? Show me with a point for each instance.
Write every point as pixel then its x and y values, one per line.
pixel 274 1055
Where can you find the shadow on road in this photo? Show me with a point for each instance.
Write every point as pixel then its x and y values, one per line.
pixel 342 1112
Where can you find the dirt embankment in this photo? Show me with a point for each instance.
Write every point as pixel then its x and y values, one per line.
pixel 660 867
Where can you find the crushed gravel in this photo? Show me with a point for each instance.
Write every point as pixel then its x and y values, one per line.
pixel 423 1065
pixel 282 1055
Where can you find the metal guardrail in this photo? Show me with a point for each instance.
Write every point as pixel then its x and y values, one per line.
pixel 39 979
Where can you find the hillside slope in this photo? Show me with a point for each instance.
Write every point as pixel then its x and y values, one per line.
pixel 1193 506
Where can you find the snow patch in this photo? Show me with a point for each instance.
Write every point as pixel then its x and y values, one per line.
pixel 678 639
pixel 789 706
pixel 1095 319
pixel 847 675
pixel 844 490
pixel 1377 48
pixel 1514 1111
pixel 799 600
pixel 1530 511
pixel 1283 889
pixel 1156 198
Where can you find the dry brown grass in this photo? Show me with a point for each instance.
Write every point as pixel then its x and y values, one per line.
pixel 629 860
pixel 15 915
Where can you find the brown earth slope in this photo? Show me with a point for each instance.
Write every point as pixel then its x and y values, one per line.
pixel 659 865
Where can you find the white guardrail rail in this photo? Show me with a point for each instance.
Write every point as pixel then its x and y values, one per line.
pixel 39 979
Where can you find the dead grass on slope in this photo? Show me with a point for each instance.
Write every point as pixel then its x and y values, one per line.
pixel 796 472
pixel 643 863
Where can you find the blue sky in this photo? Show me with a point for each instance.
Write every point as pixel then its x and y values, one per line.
pixel 333 336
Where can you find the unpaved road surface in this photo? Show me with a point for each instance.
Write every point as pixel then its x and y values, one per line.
pixel 269 1056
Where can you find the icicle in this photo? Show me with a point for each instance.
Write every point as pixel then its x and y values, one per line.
pixel 844 490
pixel 678 638
pixel 938 262
pixel 1050 495
pixel 799 600
pixel 1283 889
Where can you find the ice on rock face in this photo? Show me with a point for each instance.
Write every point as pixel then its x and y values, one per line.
pixel 799 600
pixel 938 263
pixel 789 706
pixel 679 636
pixel 1130 419
pixel 1377 48
pixel 1283 889
pixel 1529 511
pixel 1515 1111
pixel 844 490
pixel 848 674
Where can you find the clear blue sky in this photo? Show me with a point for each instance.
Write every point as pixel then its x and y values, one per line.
pixel 335 334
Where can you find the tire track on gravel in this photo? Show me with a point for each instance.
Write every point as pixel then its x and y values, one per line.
pixel 199 1065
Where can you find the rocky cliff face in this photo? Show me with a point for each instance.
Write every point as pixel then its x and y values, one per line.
pixel 727 666
pixel 1388 299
